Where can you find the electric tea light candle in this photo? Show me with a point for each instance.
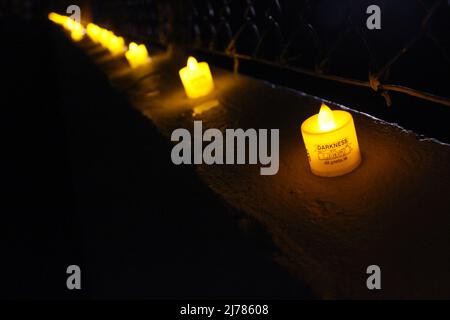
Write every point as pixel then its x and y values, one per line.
pixel 116 45
pixel 57 18
pixel 331 142
pixel 196 78
pixel 137 55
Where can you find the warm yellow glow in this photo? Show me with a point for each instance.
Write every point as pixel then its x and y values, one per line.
pixel 196 78
pixel 75 28
pixel 205 106
pixel 53 16
pixel 105 37
pixel 69 24
pixel 93 32
pixel 331 142
pixel 192 64
pixel 137 55
pixel 325 118
pixel 57 18
pixel 132 47
pixel 77 32
pixel 102 36
pixel 116 45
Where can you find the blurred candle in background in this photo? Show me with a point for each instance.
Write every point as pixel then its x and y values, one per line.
pixel 77 31
pixel 93 31
pixel 196 78
pixel 116 45
pixel 331 142
pixel 137 55
pixel 57 18
pixel 104 37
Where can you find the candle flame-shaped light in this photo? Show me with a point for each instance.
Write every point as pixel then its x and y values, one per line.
pixel 196 78
pixel 326 118
pixel 331 142
pixel 137 55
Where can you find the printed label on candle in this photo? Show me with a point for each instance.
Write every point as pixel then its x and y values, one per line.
pixel 334 151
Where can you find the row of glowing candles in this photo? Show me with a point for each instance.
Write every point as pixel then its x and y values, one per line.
pixel 136 54
pixel 329 136
pixel 196 76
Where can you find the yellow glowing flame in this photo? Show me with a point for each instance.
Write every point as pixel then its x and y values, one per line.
pixel 192 63
pixel 75 28
pixel 326 118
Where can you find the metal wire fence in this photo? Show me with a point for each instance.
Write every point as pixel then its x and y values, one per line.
pixel 322 38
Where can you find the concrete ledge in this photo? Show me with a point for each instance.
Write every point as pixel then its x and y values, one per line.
pixel 393 211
